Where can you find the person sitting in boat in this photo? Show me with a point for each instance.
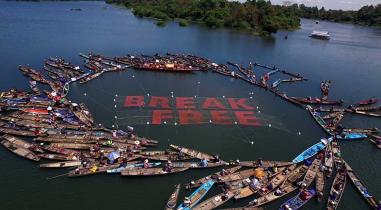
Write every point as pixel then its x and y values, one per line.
pixel 187 201
pixel 216 158
pixel 146 164
pixel 180 155
pixel 278 192
pixel 168 167
pixel 204 163
pixel 258 162
pixel 254 183
pixel 223 172
pixel 123 164
pixel 304 195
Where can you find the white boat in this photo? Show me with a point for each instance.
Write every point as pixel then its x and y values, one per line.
pixel 320 35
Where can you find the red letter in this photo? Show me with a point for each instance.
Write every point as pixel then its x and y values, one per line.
pixel 189 117
pixel 134 101
pixel 239 103
pixel 159 115
pixel 185 103
pixel 156 102
pixel 220 117
pixel 246 118
pixel 212 103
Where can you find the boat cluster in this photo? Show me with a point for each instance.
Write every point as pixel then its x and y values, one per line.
pixel 65 134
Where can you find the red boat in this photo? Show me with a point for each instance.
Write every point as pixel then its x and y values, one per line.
pixel 372 100
pixel 36 111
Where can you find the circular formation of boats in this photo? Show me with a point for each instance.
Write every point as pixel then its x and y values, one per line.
pixel 65 135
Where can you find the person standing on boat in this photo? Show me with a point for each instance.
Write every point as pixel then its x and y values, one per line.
pixel 204 163
pixel 146 164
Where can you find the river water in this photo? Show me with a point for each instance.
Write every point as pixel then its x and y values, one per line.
pixel 31 32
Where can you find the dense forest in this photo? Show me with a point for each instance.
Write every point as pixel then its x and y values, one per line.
pixel 258 16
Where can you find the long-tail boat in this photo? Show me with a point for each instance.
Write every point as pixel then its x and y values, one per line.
pixel 297 202
pixel 337 190
pixel 313 150
pixel 22 143
pixel 62 164
pixel 172 201
pixel 215 201
pixel 151 171
pixel 20 151
pixel 328 160
pixel 361 187
pixel 317 101
pixel 366 102
pixel 264 163
pixel 216 176
pixel 193 153
pixel 319 184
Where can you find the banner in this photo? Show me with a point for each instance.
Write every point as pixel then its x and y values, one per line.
pixel 159 110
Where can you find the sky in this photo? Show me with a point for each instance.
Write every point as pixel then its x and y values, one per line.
pixel 333 4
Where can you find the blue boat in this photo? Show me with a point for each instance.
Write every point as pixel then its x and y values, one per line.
pixel 299 200
pixel 351 136
pixel 313 150
pixel 197 196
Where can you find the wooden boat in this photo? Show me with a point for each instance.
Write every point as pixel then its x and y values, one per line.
pixel 197 165
pixel 131 167
pixel 172 201
pixel 361 130
pixel 33 86
pixel 193 153
pixel 328 160
pixel 294 79
pixel 264 180
pixel 150 171
pixel 240 175
pixel 56 157
pixel 91 170
pixel 72 145
pixel 351 136
pixel 317 101
pixel 336 153
pixel 215 201
pixel 318 119
pixel 336 191
pixel 332 109
pixel 366 113
pixel 17 132
pixel 374 139
pixel 22 143
pixel 330 115
pixel 264 163
pixel 278 179
pixel 320 182
pixel 20 151
pixel 368 108
pixel 63 164
pixel 311 173
pixel 216 176
pixel 297 202
pixel 369 101
pixel 197 196
pixel 61 150
pixel 313 150
pixel 63 140
pixel 286 187
pixel 90 77
pixel 361 187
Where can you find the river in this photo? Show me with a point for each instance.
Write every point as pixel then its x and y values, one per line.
pixel 32 32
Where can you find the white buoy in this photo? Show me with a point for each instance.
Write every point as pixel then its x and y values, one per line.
pixel 251 97
pixel 133 76
pixel 147 123
pixel 116 117
pixel 252 142
pixel 165 122
pixel 259 111
pixel 195 96
pixel 223 96
pixel 257 107
pixel 85 94
pixel 175 123
pixel 114 100
pixel 116 95
pixel 299 133
pixel 236 122
pixel 113 126
pixel 269 125
pixel 210 121
pixel 198 82
pixel 147 94
pixel 115 106
pixel 99 124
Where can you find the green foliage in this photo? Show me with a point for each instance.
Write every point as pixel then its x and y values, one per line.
pixel 161 23
pixel 183 22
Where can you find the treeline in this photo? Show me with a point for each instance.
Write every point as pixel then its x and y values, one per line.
pixel 367 15
pixel 257 16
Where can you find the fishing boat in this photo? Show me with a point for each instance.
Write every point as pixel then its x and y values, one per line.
pixel 323 35
pixel 261 180
pixel 62 164
pixel 361 187
pixel 22 143
pixel 193 153
pixel 51 156
pixel 299 200
pixel 215 201
pixel 351 136
pixel 17 132
pixel 318 119
pixel 72 146
pixel 90 77
pixel 216 176
pixel 336 154
pixel 150 171
pixel 278 179
pixel 172 201
pixel 20 150
pixel 311 173
pixel 366 113
pixel 317 101
pixel 286 187
pixel 264 163
pixel 361 130
pixel 368 108
pixel 91 170
pixel 313 150
pixel 197 196
pixel 337 190
pixel 330 115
